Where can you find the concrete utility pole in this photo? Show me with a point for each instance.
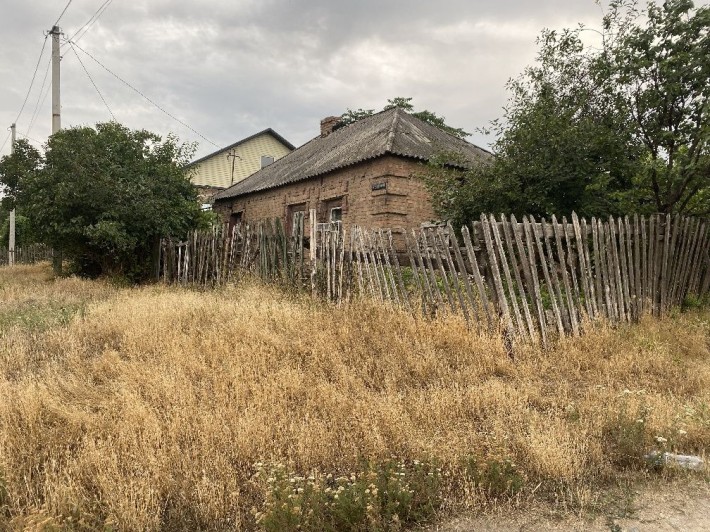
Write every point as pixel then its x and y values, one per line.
pixel 56 106
pixel 56 119
pixel 11 247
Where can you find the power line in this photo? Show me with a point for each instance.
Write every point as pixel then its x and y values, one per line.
pixel 30 138
pixel 5 141
pixel 90 22
pixel 41 53
pixel 39 96
pixel 62 13
pixel 44 99
pixel 94 84
pixel 143 95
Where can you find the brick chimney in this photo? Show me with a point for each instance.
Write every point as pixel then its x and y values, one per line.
pixel 327 125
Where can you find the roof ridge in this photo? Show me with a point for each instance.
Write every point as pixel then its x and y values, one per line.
pixel 393 130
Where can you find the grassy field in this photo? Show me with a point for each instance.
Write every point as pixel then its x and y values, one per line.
pixel 164 408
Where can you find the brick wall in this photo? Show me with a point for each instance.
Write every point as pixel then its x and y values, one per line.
pixel 381 193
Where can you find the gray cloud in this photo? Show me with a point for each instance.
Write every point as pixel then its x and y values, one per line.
pixel 231 68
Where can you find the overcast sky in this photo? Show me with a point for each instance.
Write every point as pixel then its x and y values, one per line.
pixel 230 68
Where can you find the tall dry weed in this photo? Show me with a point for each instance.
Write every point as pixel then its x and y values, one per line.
pixel 150 408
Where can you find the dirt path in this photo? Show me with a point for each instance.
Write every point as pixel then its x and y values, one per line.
pixel 679 506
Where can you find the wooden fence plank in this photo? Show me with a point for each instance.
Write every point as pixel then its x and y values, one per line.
pixel 519 323
pixel 679 260
pixel 569 296
pixel 603 269
pixel 436 247
pixel 470 251
pixel 638 284
pixel 613 247
pixel 428 299
pixel 623 263
pixel 424 242
pixel 692 252
pixel 584 267
pixel 464 274
pixel 599 286
pixel 495 272
pixel 572 261
pixel 653 234
pixel 509 239
pixel 694 283
pixel 548 282
pixel 530 271
pixel 387 267
pixel 668 229
pixel 556 287
pixel 445 239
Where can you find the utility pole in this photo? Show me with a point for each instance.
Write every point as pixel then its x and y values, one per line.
pixel 56 119
pixel 56 106
pixel 11 247
pixel 233 155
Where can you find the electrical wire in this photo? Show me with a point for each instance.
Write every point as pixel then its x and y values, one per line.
pixel 90 22
pixel 30 138
pixel 94 84
pixel 64 11
pixel 41 53
pixel 143 95
pixel 39 97
pixel 44 99
pixel 9 133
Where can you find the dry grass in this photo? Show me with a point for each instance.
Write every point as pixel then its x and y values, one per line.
pixel 147 408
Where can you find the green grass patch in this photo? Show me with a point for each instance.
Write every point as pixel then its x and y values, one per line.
pixel 37 316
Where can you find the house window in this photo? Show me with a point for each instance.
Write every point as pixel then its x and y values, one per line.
pixel 266 160
pixel 331 210
pixel 336 214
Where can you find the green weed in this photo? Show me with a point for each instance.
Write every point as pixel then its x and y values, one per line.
pixel 379 497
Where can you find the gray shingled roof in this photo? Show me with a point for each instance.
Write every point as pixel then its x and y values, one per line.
pixel 390 132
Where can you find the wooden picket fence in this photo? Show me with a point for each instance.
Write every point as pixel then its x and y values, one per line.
pixel 532 279
pixel 27 254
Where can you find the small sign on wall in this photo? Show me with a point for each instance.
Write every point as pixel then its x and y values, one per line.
pixel 379 186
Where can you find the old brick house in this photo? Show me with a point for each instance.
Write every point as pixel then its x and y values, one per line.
pixel 364 174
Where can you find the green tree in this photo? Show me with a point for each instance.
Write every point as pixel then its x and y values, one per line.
pixel 14 170
pixel 621 127
pixel 350 116
pixel 661 71
pixel 105 196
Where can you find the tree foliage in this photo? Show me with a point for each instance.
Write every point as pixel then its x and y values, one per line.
pixel 351 116
pixel 104 196
pixel 13 169
pixel 619 127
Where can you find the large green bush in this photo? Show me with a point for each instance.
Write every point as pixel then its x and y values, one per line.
pixel 104 196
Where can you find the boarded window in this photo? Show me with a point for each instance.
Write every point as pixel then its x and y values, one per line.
pixel 235 219
pixel 292 211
